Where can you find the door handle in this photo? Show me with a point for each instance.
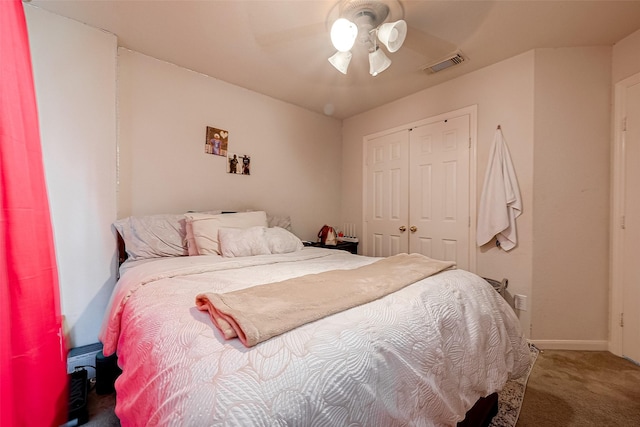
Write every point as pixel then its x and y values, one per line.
pixel 413 228
pixel 402 228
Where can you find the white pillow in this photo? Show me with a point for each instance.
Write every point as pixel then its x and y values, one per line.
pixel 281 241
pixel 153 236
pixel 190 240
pixel 239 242
pixel 279 221
pixel 205 227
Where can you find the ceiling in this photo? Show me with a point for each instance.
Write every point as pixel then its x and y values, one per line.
pixel 280 48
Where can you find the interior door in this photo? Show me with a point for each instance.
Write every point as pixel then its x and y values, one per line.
pixel 386 206
pixel 417 191
pixel 631 232
pixel 439 190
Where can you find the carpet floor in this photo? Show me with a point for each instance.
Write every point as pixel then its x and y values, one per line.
pixel 582 388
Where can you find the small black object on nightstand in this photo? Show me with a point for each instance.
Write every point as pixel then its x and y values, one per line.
pixel 344 246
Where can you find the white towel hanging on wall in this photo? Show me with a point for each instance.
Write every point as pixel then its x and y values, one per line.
pixel 500 202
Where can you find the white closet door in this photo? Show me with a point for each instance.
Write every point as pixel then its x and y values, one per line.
pixel 439 190
pixel 386 205
pixel 631 232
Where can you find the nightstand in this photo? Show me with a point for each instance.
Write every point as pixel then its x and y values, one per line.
pixel 344 246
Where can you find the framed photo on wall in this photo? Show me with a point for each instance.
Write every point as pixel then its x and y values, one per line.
pixel 217 141
pixel 239 164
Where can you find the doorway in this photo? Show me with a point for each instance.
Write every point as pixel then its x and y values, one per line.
pixel 625 304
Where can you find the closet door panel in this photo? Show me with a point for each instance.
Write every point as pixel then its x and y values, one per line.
pixel 386 209
pixel 417 191
pixel 439 190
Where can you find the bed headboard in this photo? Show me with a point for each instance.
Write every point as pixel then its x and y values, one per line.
pixel 122 253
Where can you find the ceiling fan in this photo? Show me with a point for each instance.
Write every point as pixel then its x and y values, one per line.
pixel 364 21
pixel 372 26
pixel 372 23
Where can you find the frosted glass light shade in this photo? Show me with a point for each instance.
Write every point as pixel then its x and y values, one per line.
pixel 343 34
pixel 392 34
pixel 341 60
pixel 378 62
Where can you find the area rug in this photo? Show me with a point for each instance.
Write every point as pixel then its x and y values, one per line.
pixel 511 396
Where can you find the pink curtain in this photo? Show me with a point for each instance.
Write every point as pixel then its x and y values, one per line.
pixel 33 380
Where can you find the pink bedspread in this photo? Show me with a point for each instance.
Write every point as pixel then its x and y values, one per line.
pixel 419 356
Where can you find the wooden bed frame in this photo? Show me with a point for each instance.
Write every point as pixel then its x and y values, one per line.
pixel 480 415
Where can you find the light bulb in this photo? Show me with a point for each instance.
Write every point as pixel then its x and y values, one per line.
pixel 343 34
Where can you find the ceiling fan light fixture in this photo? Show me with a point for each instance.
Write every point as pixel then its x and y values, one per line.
pixel 343 34
pixel 392 34
pixel 378 62
pixel 341 60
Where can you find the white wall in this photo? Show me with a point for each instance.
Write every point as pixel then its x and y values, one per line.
pixel 554 108
pixel 74 73
pixel 571 197
pixel 504 95
pixel 163 114
pixel 163 111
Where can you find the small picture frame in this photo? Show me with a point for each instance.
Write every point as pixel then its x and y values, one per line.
pixel 217 142
pixel 239 164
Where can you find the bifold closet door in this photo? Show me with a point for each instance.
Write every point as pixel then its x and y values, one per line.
pixel 417 191
pixel 439 190
pixel 387 196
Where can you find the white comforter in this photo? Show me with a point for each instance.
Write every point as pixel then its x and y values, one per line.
pixel 421 356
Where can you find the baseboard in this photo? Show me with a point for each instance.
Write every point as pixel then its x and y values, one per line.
pixel 585 345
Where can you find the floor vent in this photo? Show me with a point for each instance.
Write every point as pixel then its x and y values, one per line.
pixel 443 64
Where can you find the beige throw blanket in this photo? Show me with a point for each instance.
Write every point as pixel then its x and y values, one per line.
pixel 258 313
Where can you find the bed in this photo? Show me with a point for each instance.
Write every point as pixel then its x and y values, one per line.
pixel 422 355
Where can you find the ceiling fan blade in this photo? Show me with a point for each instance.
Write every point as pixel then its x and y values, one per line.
pixel 289 35
pixel 283 22
pixel 426 44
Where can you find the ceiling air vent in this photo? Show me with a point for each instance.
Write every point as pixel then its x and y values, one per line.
pixel 443 64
